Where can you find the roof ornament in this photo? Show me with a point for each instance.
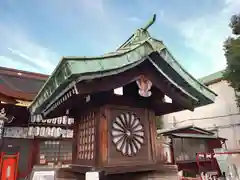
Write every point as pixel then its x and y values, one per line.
pixel 139 34
pixel 150 23
pixel 144 86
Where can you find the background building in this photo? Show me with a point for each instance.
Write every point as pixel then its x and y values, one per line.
pixel 17 90
pixel 19 87
pixel 223 116
pixel 182 144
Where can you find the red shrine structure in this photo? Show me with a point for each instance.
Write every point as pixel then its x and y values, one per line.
pixel 98 114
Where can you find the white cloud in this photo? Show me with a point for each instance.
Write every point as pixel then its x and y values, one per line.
pixel 25 50
pixel 98 14
pixel 206 34
pixel 36 55
pixel 95 7
pixel 134 19
pixel 10 63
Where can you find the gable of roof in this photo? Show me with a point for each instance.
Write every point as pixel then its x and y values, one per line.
pixel 182 128
pixel 19 84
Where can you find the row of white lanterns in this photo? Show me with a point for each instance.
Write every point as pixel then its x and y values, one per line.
pixel 50 132
pixel 58 120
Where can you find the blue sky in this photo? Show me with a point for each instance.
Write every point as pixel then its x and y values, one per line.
pixel 35 34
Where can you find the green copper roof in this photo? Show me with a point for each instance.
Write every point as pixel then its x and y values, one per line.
pixel 133 52
pixel 212 78
pixel 195 136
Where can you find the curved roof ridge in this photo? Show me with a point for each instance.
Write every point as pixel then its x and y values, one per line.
pixel 139 47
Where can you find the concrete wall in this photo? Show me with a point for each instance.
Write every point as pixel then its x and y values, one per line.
pixel 222 115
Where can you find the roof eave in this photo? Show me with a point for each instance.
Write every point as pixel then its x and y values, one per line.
pixel 183 73
pixel 212 78
pixel 196 136
pixel 150 45
pixel 61 62
pixel 172 130
pixel 102 74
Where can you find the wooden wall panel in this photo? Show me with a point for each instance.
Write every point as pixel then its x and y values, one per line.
pixel 116 156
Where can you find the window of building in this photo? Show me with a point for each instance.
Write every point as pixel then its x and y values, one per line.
pixel 86 141
pixel 186 149
pixel 55 152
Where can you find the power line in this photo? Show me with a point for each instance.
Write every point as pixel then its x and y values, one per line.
pixel 204 118
pixel 223 126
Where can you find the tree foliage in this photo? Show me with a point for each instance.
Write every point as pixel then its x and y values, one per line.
pixel 235 24
pixel 232 54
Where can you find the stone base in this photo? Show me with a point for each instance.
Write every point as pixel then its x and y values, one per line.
pixel 158 175
pixel 169 172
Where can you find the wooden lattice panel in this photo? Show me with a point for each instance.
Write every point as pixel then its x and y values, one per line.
pixel 86 137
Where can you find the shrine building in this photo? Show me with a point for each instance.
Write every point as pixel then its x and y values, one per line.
pixel 98 114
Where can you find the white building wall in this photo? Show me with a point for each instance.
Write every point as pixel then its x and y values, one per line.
pixel 223 115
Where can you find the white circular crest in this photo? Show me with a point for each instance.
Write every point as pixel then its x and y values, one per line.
pixel 127 133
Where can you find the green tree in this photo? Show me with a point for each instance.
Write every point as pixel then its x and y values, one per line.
pixel 232 54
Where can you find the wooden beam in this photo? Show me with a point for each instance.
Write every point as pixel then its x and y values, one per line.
pixel 165 86
pixel 122 79
pixel 7 99
pixel 109 82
